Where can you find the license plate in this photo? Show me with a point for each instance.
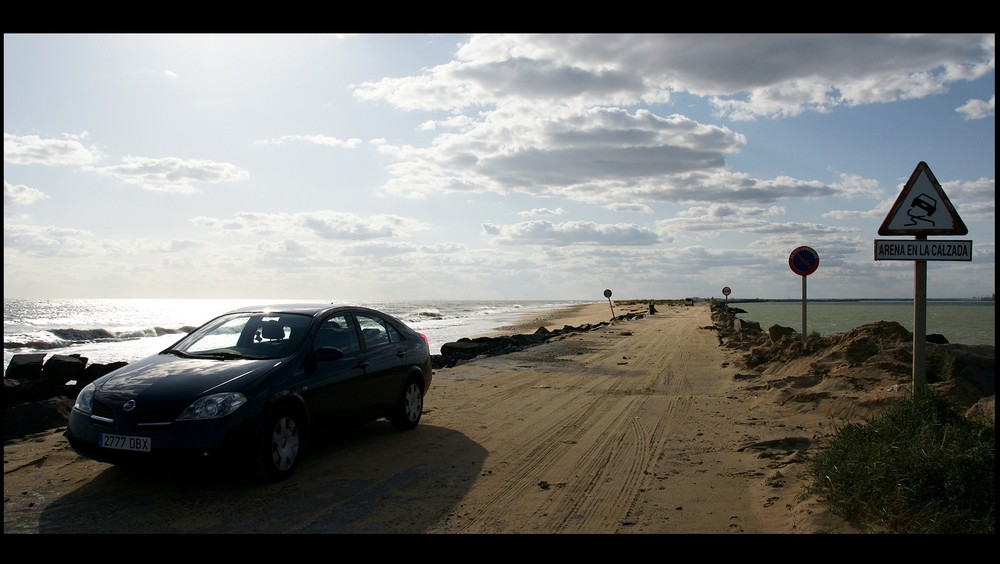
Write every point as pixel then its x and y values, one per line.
pixel 124 442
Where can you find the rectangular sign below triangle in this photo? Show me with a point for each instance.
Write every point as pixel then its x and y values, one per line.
pixel 909 249
pixel 922 208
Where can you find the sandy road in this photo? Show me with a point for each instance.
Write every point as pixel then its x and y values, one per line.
pixel 634 427
pixel 578 432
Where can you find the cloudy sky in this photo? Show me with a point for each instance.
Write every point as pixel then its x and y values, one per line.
pixel 413 167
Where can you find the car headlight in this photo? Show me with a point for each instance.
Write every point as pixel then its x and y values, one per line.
pixel 85 399
pixel 213 406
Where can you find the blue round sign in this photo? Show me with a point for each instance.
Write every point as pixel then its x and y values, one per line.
pixel 803 261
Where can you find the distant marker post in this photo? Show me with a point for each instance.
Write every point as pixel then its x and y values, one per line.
pixel 803 261
pixel 607 294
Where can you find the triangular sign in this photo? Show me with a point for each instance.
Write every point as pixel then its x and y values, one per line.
pixel 922 208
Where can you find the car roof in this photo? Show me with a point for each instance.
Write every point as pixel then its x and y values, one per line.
pixel 302 308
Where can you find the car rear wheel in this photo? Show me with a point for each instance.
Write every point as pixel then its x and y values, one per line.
pixel 277 452
pixel 407 412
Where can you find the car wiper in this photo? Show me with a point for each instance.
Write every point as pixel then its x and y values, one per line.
pixel 176 352
pixel 222 355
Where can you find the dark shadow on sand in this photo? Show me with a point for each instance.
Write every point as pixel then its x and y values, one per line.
pixel 370 479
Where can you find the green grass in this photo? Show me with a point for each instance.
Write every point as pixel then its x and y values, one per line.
pixel 918 467
pixel 940 365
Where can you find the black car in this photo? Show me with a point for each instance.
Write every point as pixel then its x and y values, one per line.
pixel 253 385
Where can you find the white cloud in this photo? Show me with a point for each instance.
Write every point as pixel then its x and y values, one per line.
pixel 171 174
pixel 978 109
pixel 45 241
pixel 21 194
pixel 540 113
pixel 35 150
pixel 539 212
pixel 570 233
pixel 352 143
pixel 983 188
pixel 629 208
pixel 748 75
pixel 601 155
pixel 717 219
pixel 320 225
pixel 854 186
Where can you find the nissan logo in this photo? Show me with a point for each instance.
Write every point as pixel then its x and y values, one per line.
pixel 129 405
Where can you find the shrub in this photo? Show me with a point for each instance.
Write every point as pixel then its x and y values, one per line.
pixel 939 364
pixel 918 467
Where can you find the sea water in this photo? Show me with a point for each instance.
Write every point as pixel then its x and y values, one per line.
pixel 966 322
pixel 114 330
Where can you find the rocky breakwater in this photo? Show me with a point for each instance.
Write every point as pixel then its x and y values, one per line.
pixel 38 394
pixel 869 355
pixel 467 349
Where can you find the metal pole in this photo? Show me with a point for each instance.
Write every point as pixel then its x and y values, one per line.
pixel 919 323
pixel 804 312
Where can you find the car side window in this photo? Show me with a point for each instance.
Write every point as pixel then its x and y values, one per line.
pixel 338 332
pixel 394 336
pixel 375 331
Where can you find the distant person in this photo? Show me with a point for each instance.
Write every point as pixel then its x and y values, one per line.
pixel 652 308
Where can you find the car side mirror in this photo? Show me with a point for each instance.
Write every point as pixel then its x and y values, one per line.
pixel 321 354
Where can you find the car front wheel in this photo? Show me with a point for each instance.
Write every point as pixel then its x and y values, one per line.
pixel 277 450
pixel 407 412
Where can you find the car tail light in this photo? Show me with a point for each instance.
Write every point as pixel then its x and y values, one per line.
pixel 427 341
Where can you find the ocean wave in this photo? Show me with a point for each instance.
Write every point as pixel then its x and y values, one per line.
pixel 101 334
pixel 65 337
pixel 82 334
pixel 34 345
pixel 428 312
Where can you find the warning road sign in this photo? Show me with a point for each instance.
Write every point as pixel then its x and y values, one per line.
pixel 922 208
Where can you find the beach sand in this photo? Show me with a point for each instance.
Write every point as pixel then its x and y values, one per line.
pixel 646 425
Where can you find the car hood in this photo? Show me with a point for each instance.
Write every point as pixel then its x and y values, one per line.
pixel 174 376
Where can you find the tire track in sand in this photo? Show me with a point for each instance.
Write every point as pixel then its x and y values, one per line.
pixel 600 428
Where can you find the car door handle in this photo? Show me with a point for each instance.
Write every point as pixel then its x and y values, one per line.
pixel 400 354
pixel 362 364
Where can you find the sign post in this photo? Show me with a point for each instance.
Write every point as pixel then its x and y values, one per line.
pixel 726 291
pixel 803 261
pixel 922 209
pixel 607 294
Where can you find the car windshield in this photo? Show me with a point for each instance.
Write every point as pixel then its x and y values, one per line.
pixel 245 335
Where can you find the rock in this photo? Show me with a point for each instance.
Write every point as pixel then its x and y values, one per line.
pixel 466 349
pixel 35 417
pixel 59 369
pixel 983 411
pixel 25 366
pixel 16 392
pixel 43 397
pixel 744 326
pixel 776 333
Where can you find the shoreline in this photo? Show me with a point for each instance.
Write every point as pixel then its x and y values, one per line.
pixel 580 314
pixel 555 318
